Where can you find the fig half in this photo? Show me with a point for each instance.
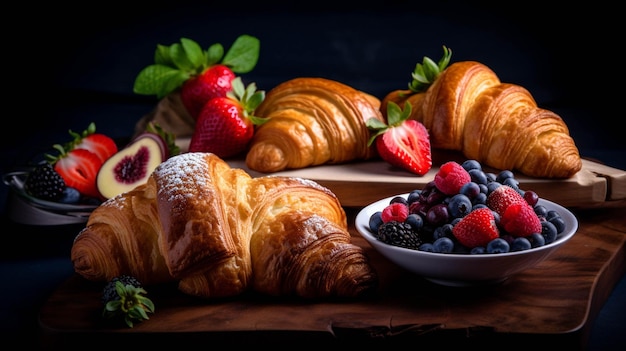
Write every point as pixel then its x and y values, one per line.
pixel 132 165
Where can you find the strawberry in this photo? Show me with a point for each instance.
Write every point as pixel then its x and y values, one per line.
pixel 519 219
pixel 477 228
pixel 100 144
pixel 402 142
pixel 79 168
pixel 225 125
pixel 451 177
pixel 199 74
pixel 502 197
pixel 215 81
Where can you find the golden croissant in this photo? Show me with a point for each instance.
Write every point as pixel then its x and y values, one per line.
pixel 467 108
pixel 219 232
pixel 312 121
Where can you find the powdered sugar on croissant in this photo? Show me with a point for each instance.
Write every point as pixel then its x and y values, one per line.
pixel 220 232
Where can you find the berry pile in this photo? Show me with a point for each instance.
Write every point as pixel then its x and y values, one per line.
pixel 467 210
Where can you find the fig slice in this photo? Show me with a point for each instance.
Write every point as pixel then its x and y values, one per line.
pixel 132 165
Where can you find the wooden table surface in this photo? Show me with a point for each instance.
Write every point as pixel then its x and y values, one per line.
pixel 556 301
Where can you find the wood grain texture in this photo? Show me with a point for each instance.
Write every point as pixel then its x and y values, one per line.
pixel 361 183
pixel 558 300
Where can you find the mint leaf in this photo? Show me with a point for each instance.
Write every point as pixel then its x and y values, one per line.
pixel 179 56
pixel 243 55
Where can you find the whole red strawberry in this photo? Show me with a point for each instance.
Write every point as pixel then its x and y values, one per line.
pixel 402 142
pixel 478 228
pixel 215 81
pixel 225 125
pixel 199 74
pixel 502 197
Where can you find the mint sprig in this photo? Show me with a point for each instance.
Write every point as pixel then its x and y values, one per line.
pixel 176 63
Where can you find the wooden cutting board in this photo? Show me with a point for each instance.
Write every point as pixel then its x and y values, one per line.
pixel 358 184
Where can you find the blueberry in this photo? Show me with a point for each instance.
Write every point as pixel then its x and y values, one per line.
pixel 443 245
pixel 478 250
pixel 399 199
pixel 460 205
pixel 70 196
pixel 470 189
pixel 375 221
pixel 520 244
pixel 428 247
pixel 477 176
pixel 498 245
pixel 491 186
pixel 413 196
pixel 549 232
pixel 504 175
pixel 559 223
pixel 471 164
pixel 536 240
pixel 415 221
pixel 541 211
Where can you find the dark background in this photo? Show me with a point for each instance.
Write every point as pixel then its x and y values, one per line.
pixel 71 65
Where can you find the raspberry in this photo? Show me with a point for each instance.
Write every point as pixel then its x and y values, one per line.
pixel 519 219
pixel 396 211
pixel 451 177
pixel 478 228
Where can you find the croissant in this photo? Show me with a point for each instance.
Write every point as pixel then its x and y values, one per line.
pixel 312 121
pixel 218 232
pixel 468 109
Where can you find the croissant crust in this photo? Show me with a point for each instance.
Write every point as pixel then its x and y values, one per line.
pixel 312 121
pixel 219 232
pixel 468 108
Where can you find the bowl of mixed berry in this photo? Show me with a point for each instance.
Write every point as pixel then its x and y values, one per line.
pixel 467 226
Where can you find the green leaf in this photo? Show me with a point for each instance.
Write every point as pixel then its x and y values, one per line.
pixel 162 56
pixel 214 54
pixel 157 80
pixel 243 55
pixel 194 52
pixel 179 57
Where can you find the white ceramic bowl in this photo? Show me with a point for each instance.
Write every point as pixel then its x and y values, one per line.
pixel 454 269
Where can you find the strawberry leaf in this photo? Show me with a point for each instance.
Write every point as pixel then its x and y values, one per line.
pixel 180 58
pixel 243 55
pixel 158 80
pixel 426 72
pixel 193 52
pixel 214 54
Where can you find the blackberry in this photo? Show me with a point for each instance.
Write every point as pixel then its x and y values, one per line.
pixel 109 293
pixel 399 234
pixel 44 183
pixel 124 297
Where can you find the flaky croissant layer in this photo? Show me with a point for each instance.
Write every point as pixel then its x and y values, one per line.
pixel 312 121
pixel 468 108
pixel 219 232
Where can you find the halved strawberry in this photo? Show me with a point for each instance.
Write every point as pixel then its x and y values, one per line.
pixel 402 142
pixel 225 125
pixel 98 143
pixel 79 168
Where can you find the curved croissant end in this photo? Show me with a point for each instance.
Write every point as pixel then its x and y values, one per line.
pixel 312 121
